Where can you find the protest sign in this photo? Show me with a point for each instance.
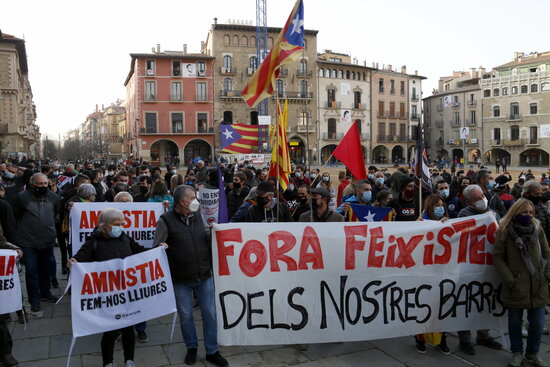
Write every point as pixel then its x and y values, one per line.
pixel 210 201
pixel 140 221
pixel 10 287
pixel 114 294
pixel 289 283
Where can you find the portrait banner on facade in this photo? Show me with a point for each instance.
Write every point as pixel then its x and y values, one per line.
pixel 295 283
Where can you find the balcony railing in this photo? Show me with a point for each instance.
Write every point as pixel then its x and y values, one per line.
pixel 455 104
pixel 305 128
pixel 358 106
pixel 168 131
pixel 414 98
pixel 365 136
pixel 383 114
pixel 200 98
pixel 455 142
pixel 472 142
pixel 472 103
pixel 283 71
pixel 176 98
pixel 304 73
pixel 533 141
pixel 513 143
pixel 333 104
pixel 150 98
pixel 496 142
pixel 438 123
pixel 470 122
pixel 513 117
pixel 415 116
pixel 333 136
pixel 381 138
pixel 228 71
pixel 455 123
pixel 391 114
pixel 298 95
pixel 230 93
pixel 439 142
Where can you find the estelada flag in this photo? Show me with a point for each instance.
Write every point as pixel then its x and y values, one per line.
pixel 285 50
pixel 369 213
pixel 350 152
pixel 280 150
pixel 239 138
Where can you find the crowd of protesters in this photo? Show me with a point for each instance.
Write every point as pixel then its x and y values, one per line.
pixel 36 199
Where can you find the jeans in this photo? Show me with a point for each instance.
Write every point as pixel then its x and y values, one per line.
pixel 141 326
pixel 204 292
pixel 108 344
pixel 5 338
pixel 37 273
pixel 465 335
pixel 535 318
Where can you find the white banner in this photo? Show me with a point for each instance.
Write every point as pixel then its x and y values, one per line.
pixel 295 283
pixel 114 294
pixel 140 221
pixel 10 287
pixel 545 130
pixel 209 200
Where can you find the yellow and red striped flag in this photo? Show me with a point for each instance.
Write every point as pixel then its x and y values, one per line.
pixel 280 149
pixel 239 138
pixel 285 50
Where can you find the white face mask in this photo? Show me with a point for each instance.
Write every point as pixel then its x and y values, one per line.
pixel 194 206
pixel 481 205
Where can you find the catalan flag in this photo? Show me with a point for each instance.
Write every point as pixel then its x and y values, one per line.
pixel 285 50
pixel 239 138
pixel 280 149
pixel 368 213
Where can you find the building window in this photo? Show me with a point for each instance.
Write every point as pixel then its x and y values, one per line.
pixel 353 75
pixel 235 40
pixel 303 89
pixel 505 91
pixel 414 112
pixel 392 86
pixel 150 122
pixel 226 40
pixel 496 111
pixel 227 84
pixel 402 88
pixel 303 67
pixel 150 66
pixel 487 93
pixel 533 108
pixel 253 117
pixel 514 132
pixel 514 90
pixel 364 76
pixel 331 128
pixel 177 122
pixel 496 135
pixel 401 110
pixel 253 63
pixel 358 124
pixel 176 95
pixel 227 117
pixel 381 85
pixel 392 109
pixel 280 87
pixel 176 68
pixel 456 118
pixel 382 129
pixel 321 73
pixel 524 89
pixel 270 42
pixel 202 95
pixel 340 74
pixel 347 74
pixel 244 41
pixel 333 74
pixel 533 135
pixel 381 111
pixel 514 110
pixel 357 100
pixel 534 88
pixel 472 117
pixel 392 129
pixel 496 92
pixel 201 68
pixel 150 91
pixel 414 97
pixel 331 96
pixel 202 123
pixel 303 119
pixel 228 63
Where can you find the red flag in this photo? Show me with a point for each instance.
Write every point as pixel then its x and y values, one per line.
pixel 350 152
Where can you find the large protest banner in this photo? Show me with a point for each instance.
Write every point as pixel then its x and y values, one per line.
pixel 114 294
pixel 140 221
pixel 290 283
pixel 10 287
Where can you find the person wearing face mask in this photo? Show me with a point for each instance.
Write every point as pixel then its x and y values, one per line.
pixel 237 195
pixel 303 203
pixel 485 180
pixel 327 185
pixel 35 211
pixel 315 177
pixel 14 182
pixel 452 203
pixel 190 260
pixel 406 204
pixel 267 208
pixel 144 187
pixel 299 178
pixel 96 177
pixel 532 191
pixel 320 199
pixel 108 242
pixel 378 183
pixel 522 259
pixel 363 196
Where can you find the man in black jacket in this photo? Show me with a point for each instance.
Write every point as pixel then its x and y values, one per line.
pixel 236 196
pixel 267 209
pixel 190 260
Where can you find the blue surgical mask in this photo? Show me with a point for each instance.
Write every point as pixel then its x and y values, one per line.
pixel 9 175
pixel 313 176
pixel 298 174
pixel 326 178
pixel 380 181
pixel 371 176
pixel 491 184
pixel 444 193
pixel 367 196
pixel 116 231
pixel 439 212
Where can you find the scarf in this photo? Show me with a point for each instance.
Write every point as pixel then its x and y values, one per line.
pixel 523 237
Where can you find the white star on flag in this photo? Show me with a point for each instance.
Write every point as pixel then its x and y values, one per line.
pixel 228 134
pixel 297 24
pixel 369 217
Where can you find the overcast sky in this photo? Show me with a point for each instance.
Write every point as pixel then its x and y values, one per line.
pixel 78 51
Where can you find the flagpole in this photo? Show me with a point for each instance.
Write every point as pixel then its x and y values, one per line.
pixel 277 152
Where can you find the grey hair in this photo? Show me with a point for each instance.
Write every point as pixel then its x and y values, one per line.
pixel 109 215
pixel 468 191
pixel 70 165
pixel 123 194
pixel 529 186
pixel 36 175
pixel 180 192
pixel 86 190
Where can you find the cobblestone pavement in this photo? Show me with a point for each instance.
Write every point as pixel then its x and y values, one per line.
pixel 46 340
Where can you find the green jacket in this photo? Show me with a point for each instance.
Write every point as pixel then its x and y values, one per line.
pixel 519 288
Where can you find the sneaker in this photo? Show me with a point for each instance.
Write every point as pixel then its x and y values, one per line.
pixel 536 360
pixel 443 348
pixel 191 356
pixel 109 365
pixel 420 347
pixel 49 299
pixel 545 331
pixel 217 359
pixel 142 337
pixel 130 363
pixel 489 342
pixel 467 348
pixel 36 311
pixel 516 360
pixel 8 360
pixel 64 271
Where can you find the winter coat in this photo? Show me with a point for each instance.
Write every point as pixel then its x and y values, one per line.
pixel 36 219
pixel 99 248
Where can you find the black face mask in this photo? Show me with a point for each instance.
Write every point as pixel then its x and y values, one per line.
pixel 302 199
pixel 236 185
pixel 41 191
pixel 315 205
pixel 143 189
pixel 534 199
pixel 262 200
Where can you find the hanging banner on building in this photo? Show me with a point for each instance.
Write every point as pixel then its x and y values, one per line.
pixel 447 101
pixel 465 133
pixel 10 287
pixel 295 283
pixel 209 200
pixel 114 294
pixel 189 70
pixel 140 221
pixel 545 131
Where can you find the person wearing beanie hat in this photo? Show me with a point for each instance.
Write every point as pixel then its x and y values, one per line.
pixel 320 198
pixel 406 204
pixel 267 209
pixel 502 190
